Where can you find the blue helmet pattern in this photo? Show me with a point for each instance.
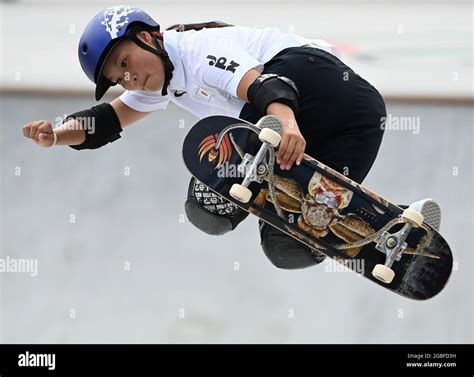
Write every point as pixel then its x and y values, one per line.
pixel 103 32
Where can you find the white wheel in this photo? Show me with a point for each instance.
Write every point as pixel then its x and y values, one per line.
pixel 241 193
pixel 413 217
pixel 267 135
pixel 383 273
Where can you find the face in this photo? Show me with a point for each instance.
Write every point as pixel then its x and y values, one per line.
pixel 135 68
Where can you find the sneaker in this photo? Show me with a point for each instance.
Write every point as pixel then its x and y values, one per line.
pixel 430 211
pixel 285 251
pixel 210 212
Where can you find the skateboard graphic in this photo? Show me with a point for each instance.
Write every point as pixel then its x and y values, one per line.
pixel 318 206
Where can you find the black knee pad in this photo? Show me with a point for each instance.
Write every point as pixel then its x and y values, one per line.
pixel 208 222
pixel 210 212
pixel 286 252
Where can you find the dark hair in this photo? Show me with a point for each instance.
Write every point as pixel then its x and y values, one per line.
pixel 138 27
pixel 198 26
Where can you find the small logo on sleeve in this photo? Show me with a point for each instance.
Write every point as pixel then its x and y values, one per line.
pixel 200 92
pixel 179 93
pixel 222 63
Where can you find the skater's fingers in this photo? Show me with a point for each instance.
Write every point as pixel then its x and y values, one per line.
pixel 292 159
pixel 41 131
pixel 44 127
pixel 282 147
pixel 45 139
pixel 32 128
pixel 286 158
pixel 25 130
pixel 301 149
pixel 37 125
pixel 298 153
pixel 299 159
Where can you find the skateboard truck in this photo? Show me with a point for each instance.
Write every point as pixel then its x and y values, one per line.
pixel 393 245
pixel 257 173
pixel 255 168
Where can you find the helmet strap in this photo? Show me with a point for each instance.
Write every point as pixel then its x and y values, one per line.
pixel 169 67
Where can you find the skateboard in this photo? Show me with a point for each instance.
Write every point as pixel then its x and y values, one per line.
pixel 332 214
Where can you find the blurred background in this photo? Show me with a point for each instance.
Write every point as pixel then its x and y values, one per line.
pixel 117 260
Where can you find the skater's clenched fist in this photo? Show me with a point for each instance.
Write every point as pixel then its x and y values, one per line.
pixel 41 131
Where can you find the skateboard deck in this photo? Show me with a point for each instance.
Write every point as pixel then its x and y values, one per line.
pixel 318 206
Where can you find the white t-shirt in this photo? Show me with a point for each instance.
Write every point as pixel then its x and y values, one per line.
pixel 209 64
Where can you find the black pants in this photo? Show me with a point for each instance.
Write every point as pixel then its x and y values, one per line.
pixel 339 117
pixel 339 112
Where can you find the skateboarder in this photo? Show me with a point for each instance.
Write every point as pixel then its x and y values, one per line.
pixel 328 111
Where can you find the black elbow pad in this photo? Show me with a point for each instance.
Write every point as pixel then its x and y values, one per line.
pixel 269 88
pixel 101 125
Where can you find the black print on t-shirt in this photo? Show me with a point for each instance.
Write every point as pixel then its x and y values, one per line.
pixel 222 63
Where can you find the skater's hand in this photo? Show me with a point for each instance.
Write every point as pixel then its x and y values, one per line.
pixel 292 145
pixel 41 131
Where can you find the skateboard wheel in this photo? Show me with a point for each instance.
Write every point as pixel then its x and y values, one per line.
pixel 267 135
pixel 383 273
pixel 240 193
pixel 413 217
